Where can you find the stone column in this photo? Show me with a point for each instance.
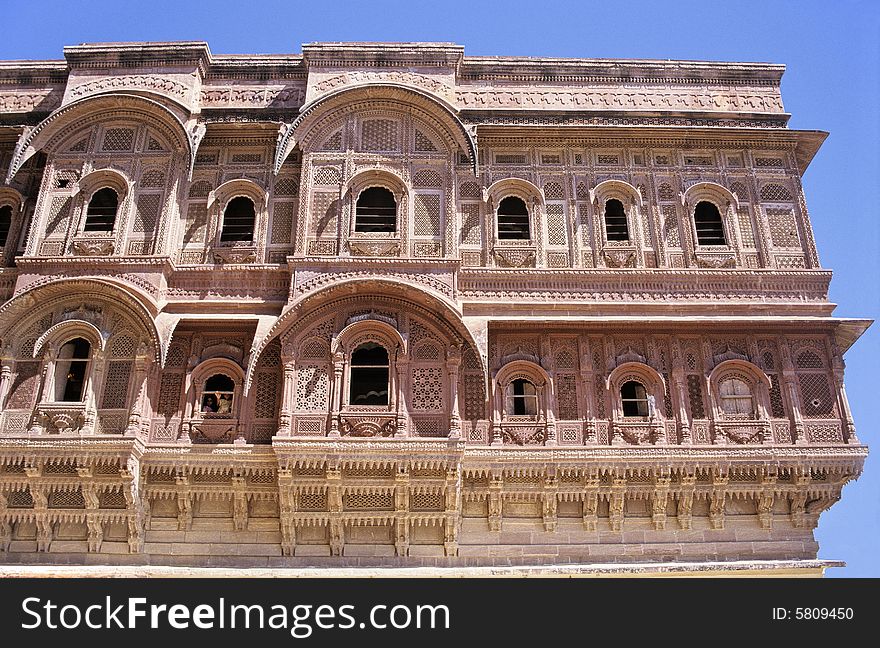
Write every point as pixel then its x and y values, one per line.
pixel 7 364
pixel 497 406
pixel 545 392
pixel 789 380
pixel 288 390
pixel 336 393
pixel 845 411
pixel 94 392
pixel 141 371
pixel 400 382
pixel 679 390
pixel 453 363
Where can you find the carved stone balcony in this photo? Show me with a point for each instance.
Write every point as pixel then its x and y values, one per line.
pixel 712 257
pixel 61 418
pixel 523 430
pixel 368 424
pixel 637 432
pixel 745 432
pixel 374 246
pixel 235 254
pixel 619 256
pixel 515 254
pixel 93 246
pixel 212 428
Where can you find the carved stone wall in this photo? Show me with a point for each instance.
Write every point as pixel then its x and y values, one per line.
pixel 554 394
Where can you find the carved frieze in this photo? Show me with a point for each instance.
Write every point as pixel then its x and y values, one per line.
pixel 234 96
pixel 423 81
pixel 160 84
pixel 638 98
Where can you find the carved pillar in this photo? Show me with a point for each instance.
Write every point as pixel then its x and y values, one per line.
pixel 184 502
pixel 401 509
pixel 7 363
pixel 90 417
pixel 288 390
pixel 336 393
pixel 549 500
pixel 686 500
pixel 545 393
pixel 789 380
pixel 286 508
pixel 679 381
pixel 720 481
pixel 452 520
pixel 334 502
pixel 453 364
pixel 496 485
pixel 798 510
pixel 497 405
pixel 591 501
pixel 765 497
pixel 142 364
pixel 616 503
pixel 399 389
pixel 659 499
pixel 838 366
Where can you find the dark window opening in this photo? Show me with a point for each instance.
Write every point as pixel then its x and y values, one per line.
pixel 218 394
pixel 522 398
pixel 513 219
pixel 634 399
pixel 238 220
pixel 615 221
pixel 71 369
pixel 376 211
pixel 369 375
pixel 5 223
pixel 101 212
pixel 710 230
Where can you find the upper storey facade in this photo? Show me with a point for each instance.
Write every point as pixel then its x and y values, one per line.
pixel 176 163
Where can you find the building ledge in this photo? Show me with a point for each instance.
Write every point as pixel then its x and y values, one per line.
pixel 733 569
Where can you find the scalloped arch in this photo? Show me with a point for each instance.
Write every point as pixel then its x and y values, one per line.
pixel 519 187
pixel 15 313
pixel 433 305
pixel 99 107
pixel 349 96
pixel 711 191
pixel 615 189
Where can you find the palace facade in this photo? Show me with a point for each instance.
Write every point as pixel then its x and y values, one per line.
pixel 388 304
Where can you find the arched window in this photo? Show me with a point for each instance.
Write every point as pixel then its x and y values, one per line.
pixel 368 380
pixel 376 211
pixel 513 219
pixel 218 395
pixel 710 230
pixel 736 398
pixel 238 220
pixel 5 223
pixel 615 221
pixel 634 399
pixel 522 398
pixel 71 370
pixel 101 212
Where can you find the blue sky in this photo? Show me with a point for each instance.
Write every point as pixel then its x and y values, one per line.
pixel 832 83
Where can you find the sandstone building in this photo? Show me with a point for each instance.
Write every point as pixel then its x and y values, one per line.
pixel 388 304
